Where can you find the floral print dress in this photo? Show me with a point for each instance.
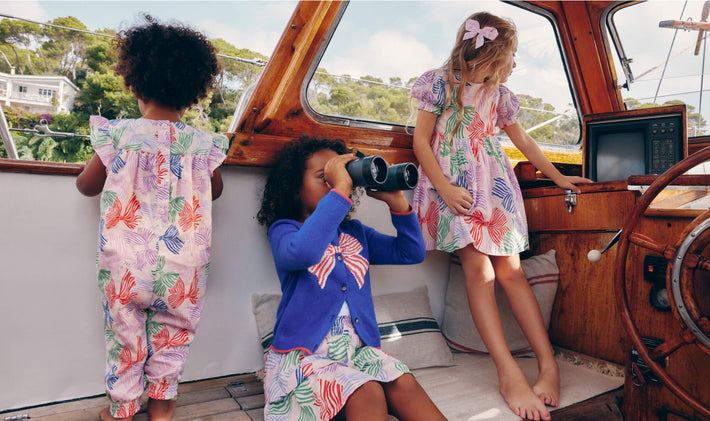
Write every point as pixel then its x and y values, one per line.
pixel 474 159
pixel 301 386
pixel 154 249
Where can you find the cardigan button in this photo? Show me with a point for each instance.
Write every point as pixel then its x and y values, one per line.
pixel 343 288
pixel 357 320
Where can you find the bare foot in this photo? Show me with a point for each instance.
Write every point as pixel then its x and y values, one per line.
pixel 522 400
pixel 105 415
pixel 160 410
pixel 547 386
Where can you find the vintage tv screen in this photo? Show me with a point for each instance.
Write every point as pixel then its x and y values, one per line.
pixel 639 142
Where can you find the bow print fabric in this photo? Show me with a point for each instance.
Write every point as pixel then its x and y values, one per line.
pixel 350 249
pixel 473 28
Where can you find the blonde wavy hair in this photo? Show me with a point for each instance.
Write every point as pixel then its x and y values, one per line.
pixel 465 59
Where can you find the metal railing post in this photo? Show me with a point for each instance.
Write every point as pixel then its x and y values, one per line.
pixel 7 137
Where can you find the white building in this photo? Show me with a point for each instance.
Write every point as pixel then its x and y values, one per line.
pixel 36 94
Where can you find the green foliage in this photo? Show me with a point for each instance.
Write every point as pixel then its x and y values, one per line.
pixel 104 94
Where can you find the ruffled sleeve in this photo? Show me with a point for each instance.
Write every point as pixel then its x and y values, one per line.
pixel 101 140
pixel 430 90
pixel 508 107
pixel 218 152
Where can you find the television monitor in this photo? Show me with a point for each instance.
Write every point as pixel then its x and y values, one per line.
pixel 636 142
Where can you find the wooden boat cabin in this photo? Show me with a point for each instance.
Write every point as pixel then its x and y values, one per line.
pixel 611 90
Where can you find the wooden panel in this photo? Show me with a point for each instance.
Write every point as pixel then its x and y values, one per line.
pixel 584 316
pixel 596 209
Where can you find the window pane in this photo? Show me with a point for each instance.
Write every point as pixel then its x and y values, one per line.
pixel 664 67
pixel 370 64
pixel 69 74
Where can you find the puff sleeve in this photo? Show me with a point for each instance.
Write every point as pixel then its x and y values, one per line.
pixel 101 140
pixel 430 90
pixel 218 152
pixel 508 107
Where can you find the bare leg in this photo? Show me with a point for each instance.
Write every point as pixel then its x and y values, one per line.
pixel 480 289
pixel 367 403
pixel 161 410
pixel 527 312
pixel 105 415
pixel 408 400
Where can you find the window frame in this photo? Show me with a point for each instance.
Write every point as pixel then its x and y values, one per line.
pixel 345 121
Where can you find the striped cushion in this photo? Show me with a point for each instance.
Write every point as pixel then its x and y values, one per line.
pixel 408 330
pixel 458 327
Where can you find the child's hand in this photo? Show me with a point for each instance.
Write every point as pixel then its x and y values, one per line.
pixel 458 199
pixel 394 199
pixel 568 182
pixel 336 176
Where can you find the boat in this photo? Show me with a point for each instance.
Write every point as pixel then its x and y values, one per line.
pixel 631 299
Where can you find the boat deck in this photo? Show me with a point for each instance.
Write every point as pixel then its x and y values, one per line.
pixel 241 398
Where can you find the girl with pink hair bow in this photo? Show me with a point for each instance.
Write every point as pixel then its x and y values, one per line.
pixel 469 202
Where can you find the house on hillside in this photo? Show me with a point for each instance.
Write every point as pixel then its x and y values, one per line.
pixel 37 94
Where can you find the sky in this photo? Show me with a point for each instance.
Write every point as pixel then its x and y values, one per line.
pixel 406 38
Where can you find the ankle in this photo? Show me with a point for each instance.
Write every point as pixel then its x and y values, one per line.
pixel 160 410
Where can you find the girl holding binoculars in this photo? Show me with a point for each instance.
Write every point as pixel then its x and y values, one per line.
pixel 325 362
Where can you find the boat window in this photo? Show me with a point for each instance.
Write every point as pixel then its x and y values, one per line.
pixel 661 57
pixel 380 48
pixel 56 67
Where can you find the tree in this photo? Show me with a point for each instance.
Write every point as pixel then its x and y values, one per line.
pixel 104 94
pixel 66 46
pixel 18 33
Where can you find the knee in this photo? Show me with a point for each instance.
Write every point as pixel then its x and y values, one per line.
pixel 371 393
pixel 511 277
pixel 406 383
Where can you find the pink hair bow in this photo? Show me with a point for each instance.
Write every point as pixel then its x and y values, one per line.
pixel 473 28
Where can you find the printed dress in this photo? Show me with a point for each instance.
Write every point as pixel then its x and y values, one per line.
pixel 472 158
pixel 302 386
pixel 154 249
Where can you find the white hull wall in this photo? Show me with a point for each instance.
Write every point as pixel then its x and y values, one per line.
pixel 51 321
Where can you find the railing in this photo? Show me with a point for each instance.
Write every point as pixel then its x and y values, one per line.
pixel 29 97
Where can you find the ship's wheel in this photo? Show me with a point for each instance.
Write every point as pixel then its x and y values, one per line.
pixel 685 260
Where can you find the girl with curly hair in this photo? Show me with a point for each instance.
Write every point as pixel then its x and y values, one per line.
pixel 157 177
pixel 325 361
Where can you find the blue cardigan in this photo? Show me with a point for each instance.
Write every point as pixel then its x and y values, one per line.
pixel 324 262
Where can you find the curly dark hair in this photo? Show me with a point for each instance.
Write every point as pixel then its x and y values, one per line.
pixel 281 198
pixel 172 65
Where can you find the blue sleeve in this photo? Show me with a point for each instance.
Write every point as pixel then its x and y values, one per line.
pixel 404 249
pixel 297 246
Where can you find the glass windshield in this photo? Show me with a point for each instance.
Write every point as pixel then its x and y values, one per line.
pixel 380 48
pixel 665 63
pixel 56 65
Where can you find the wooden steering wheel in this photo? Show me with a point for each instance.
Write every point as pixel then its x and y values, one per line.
pixel 685 258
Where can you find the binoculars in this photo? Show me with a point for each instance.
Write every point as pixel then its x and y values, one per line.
pixel 373 173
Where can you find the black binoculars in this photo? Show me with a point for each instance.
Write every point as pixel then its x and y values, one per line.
pixel 373 173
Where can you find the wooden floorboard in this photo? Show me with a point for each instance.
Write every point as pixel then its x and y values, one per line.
pixel 605 407
pixel 208 400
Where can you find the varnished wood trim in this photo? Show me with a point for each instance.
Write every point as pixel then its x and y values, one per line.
pixel 606 186
pixel 683 180
pixel 259 149
pixel 39 167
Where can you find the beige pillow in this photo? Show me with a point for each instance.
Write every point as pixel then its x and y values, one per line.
pixel 458 327
pixel 408 330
